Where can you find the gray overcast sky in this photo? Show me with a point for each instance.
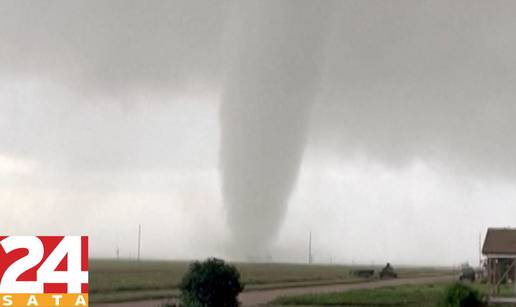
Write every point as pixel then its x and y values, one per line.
pixel 110 116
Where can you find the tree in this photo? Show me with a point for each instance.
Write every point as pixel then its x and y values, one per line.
pixel 211 283
pixel 462 295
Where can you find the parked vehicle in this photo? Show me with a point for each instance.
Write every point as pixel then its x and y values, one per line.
pixel 468 273
pixel 364 273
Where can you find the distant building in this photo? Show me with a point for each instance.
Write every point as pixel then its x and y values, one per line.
pixel 500 250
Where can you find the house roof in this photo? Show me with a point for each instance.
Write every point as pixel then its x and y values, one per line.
pixel 501 241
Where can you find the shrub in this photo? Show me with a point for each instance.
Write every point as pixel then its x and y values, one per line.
pixel 211 283
pixel 462 295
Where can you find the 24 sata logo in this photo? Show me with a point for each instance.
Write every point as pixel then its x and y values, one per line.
pixel 44 271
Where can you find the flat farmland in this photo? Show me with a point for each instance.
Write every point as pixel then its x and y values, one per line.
pixel 124 280
pixel 426 294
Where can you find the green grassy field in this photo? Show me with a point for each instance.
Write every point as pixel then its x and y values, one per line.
pixel 410 296
pixel 406 295
pixel 112 280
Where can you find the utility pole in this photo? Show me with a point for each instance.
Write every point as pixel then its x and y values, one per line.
pixel 480 250
pixel 310 247
pixel 117 253
pixel 139 240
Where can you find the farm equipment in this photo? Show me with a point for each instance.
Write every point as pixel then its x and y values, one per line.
pixel 388 272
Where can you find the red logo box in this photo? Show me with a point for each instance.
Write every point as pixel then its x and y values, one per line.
pixel 43 271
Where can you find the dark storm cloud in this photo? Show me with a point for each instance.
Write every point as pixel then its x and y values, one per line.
pixel 112 46
pixel 84 80
pixel 423 79
pixel 390 81
pixel 434 78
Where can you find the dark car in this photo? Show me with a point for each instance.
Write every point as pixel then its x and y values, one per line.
pixel 364 273
pixel 468 273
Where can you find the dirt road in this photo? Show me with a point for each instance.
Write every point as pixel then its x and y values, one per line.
pixel 255 298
